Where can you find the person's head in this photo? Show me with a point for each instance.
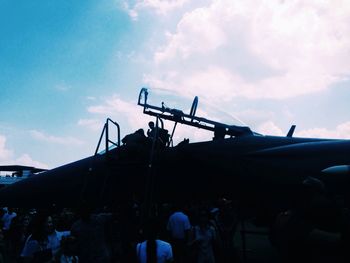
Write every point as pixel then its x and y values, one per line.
pixel 180 206
pixel 203 218
pixel 151 228
pixel 151 124
pixel 224 204
pixel 151 232
pixel 40 226
pixel 49 225
pixel 25 220
pixel 140 132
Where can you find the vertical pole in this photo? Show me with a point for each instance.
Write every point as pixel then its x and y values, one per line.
pixel 172 134
pixel 244 247
pixel 151 175
pixel 107 137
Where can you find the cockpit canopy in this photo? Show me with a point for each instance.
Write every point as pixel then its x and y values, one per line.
pixel 189 117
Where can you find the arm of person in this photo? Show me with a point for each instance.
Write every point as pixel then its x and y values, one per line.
pixel 187 228
pixel 190 239
pixel 30 247
pixel 170 257
pixel 193 239
pixel 216 241
pixel 187 235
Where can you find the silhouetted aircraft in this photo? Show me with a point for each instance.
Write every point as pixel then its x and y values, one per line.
pixel 257 170
pixel 10 174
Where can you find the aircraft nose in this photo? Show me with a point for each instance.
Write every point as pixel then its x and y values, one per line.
pixel 337 169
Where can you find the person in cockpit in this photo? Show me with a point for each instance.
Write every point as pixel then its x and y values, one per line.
pixel 161 134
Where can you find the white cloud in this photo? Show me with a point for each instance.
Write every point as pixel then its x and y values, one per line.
pixel 116 108
pixel 161 7
pixel 62 87
pixel 302 47
pixel 38 135
pixel 194 134
pixel 254 117
pixel 212 83
pixel 7 157
pixel 131 118
pixel 269 128
pixel 197 32
pixel 341 131
pixel 92 124
pixel 26 160
pixel 5 154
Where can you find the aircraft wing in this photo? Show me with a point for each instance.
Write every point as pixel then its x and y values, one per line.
pixel 12 168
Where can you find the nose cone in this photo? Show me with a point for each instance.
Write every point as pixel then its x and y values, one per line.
pixel 60 186
pixel 337 169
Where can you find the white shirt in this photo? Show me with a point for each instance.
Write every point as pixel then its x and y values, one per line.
pixel 164 251
pixel 205 237
pixel 7 218
pixel 178 224
pixel 32 246
pixel 54 240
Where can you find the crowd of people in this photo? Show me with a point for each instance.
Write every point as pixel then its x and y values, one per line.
pixel 315 229
pixel 174 233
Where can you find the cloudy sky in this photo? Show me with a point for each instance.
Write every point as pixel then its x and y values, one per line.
pixel 65 66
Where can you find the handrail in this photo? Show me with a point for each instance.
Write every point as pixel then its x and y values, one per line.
pixel 105 131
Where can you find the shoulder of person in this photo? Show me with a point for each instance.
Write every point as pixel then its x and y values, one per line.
pixel 212 228
pixel 138 245
pixel 61 234
pixel 30 247
pixel 163 243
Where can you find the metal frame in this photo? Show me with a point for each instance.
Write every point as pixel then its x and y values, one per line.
pixel 190 119
pixel 105 131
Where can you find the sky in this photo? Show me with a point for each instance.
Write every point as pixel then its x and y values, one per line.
pixel 67 66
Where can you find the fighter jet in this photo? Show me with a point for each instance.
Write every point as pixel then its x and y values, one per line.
pixel 10 174
pixel 254 169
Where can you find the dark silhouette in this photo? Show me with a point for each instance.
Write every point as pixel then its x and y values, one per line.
pixel 312 230
pixel 203 240
pixel 153 250
pixel 261 172
pixel 89 230
pixel 158 133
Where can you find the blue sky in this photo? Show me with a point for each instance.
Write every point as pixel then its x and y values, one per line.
pixel 65 66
